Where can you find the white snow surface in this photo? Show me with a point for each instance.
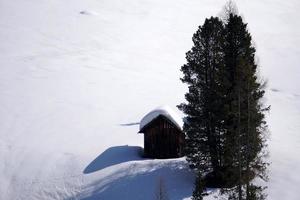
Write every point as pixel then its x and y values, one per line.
pixel 77 76
pixel 165 111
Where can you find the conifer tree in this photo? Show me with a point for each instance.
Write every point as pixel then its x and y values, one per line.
pixel 244 121
pixel 225 125
pixel 202 74
pixel 199 188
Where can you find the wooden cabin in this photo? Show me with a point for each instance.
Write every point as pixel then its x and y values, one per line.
pixel 163 135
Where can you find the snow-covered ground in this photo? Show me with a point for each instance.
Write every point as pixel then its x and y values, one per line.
pixel 77 76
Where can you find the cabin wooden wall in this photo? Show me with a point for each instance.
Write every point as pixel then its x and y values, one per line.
pixel 163 140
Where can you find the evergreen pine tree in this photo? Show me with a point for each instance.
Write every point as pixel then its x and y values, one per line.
pixel 199 188
pixel 202 74
pixel 244 121
pixel 225 126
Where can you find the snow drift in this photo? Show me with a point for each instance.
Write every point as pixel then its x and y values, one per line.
pixel 68 80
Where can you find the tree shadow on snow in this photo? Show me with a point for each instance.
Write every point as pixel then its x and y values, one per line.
pixel 113 156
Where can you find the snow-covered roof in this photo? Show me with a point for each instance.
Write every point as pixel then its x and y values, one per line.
pixel 165 111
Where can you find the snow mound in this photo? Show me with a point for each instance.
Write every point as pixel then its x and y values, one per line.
pixel 165 111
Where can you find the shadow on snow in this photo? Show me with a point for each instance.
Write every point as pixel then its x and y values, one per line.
pixel 113 156
pixel 134 177
pixel 130 124
pixel 139 180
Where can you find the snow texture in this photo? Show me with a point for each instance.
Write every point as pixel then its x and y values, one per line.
pixel 165 111
pixel 74 85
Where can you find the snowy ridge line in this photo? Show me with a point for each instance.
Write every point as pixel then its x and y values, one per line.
pixel 55 179
pixel 129 168
pixel 147 170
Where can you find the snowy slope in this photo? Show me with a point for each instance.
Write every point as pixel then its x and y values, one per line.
pixel 77 75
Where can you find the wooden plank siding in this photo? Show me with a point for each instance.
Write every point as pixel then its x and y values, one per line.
pixel 162 139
